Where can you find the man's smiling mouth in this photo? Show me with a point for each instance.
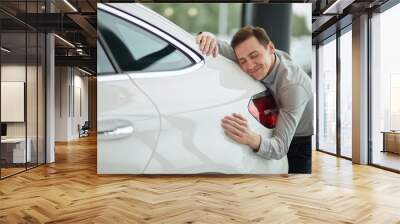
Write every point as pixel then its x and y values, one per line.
pixel 256 69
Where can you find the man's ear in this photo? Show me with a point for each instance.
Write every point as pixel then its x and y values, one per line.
pixel 271 47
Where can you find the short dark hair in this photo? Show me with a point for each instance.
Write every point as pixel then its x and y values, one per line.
pixel 249 31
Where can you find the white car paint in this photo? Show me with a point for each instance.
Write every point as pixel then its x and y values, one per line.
pixel 170 122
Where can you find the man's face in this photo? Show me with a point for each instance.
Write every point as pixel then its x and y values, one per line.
pixel 254 58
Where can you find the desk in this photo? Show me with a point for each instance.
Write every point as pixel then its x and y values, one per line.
pixel 391 141
pixel 15 148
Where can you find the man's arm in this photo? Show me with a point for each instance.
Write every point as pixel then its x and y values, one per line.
pixel 209 44
pixel 226 50
pixel 294 99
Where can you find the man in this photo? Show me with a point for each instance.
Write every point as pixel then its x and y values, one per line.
pixel 256 55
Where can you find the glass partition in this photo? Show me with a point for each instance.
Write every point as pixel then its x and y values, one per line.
pixel 327 97
pixel 41 109
pixel 13 91
pixel 32 87
pixel 31 99
pixel 22 88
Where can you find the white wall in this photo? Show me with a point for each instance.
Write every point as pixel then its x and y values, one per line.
pixel 81 103
pixel 62 81
pixel 71 94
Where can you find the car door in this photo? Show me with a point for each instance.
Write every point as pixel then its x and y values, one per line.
pixel 134 52
pixel 128 122
pixel 192 139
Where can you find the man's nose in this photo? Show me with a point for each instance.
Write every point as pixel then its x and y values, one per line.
pixel 252 64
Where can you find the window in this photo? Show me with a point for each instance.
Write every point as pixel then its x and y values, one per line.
pixel 346 94
pixel 394 101
pixel 136 49
pixel 385 88
pixel 327 97
pixel 103 64
pixel 314 83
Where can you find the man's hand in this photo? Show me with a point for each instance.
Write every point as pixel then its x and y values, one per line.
pixel 207 43
pixel 236 127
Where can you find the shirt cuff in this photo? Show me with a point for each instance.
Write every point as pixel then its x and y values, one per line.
pixel 263 149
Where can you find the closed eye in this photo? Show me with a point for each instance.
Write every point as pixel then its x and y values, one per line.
pixel 253 55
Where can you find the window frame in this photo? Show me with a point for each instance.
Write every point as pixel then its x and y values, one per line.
pixel 192 55
pixel 109 57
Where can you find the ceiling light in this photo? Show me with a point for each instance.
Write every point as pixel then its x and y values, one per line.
pixel 337 7
pixel 84 71
pixel 329 9
pixel 5 50
pixel 70 5
pixel 79 51
pixel 65 41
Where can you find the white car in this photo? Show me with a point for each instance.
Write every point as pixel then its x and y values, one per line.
pixel 160 102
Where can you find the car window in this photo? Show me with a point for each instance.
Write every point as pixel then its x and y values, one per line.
pixel 103 64
pixel 136 49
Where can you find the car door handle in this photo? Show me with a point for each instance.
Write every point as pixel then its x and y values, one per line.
pixel 115 129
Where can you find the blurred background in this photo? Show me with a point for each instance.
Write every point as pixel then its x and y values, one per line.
pixel 224 19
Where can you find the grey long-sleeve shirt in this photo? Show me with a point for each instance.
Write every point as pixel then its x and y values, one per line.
pixel 292 90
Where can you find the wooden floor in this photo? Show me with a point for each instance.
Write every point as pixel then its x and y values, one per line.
pixel 10 171
pixel 70 191
pixel 387 159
